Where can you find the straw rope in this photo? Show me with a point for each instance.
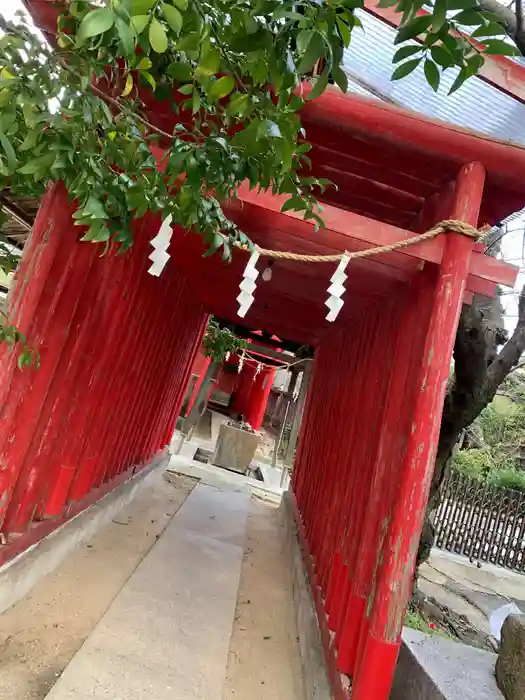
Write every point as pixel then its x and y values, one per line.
pixel 444 226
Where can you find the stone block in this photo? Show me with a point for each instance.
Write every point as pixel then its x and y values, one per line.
pixel 432 668
pixel 235 448
pixel 510 666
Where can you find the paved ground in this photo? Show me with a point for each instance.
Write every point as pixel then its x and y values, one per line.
pixel 40 635
pixel 193 606
pixel 264 661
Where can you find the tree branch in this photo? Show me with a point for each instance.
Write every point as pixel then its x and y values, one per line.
pixel 511 20
pixel 511 352
pixel 519 16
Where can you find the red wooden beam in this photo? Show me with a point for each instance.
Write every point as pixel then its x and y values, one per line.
pixel 321 155
pixel 393 590
pixel 498 71
pixel 362 144
pixel 504 161
pixel 361 230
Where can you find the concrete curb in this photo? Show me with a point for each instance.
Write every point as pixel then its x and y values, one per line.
pixel 19 575
pixel 316 684
pixel 431 668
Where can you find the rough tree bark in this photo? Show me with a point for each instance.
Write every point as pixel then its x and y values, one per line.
pixel 479 369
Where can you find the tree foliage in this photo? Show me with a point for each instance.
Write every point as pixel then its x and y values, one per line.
pixel 219 341
pixel 494 447
pixel 226 74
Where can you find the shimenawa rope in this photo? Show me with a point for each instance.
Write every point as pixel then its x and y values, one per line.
pixel 445 226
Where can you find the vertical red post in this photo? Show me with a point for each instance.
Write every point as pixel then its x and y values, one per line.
pixel 374 678
pixel 259 396
pixel 243 389
pixel 27 398
pixel 198 384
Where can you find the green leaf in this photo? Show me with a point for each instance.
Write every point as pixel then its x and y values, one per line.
pixel 271 129
pixel 94 208
pixel 412 29
pixel 9 151
pixel 387 3
pixel 173 17
pixel 469 18
pixel 492 29
pixel 221 87
pixel 127 36
pixel 320 85
pixel 217 242
pixel 439 15
pixel 181 4
pixel 405 52
pixel 294 204
pixel 195 101
pixel 461 4
pixel 238 104
pixel 144 63
pixel 186 89
pixel 181 72
pixel 442 56
pixel 500 48
pixel 406 68
pixel 158 38
pixel 210 64
pixel 458 82
pixel 149 78
pixel 340 78
pixel 432 74
pixel 95 23
pixel 140 22
pixel 128 87
pixel 315 50
pixel 344 31
pixel 141 7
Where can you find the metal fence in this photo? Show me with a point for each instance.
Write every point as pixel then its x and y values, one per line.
pixel 482 522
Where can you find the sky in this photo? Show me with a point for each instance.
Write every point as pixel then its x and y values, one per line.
pixel 512 244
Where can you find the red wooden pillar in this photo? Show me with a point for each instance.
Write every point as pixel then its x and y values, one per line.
pixel 374 678
pixel 27 395
pixel 187 330
pixel 94 380
pixel 390 441
pixel 198 384
pixel 109 372
pixel 243 389
pixel 259 396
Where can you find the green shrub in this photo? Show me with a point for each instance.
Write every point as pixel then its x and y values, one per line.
pixel 507 478
pixel 475 463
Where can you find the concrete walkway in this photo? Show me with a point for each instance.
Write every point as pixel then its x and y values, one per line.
pixel 167 633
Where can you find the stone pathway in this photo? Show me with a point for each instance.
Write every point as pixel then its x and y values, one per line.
pixel 207 614
pixel 167 633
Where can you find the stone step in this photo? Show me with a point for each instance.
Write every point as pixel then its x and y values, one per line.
pixel 167 633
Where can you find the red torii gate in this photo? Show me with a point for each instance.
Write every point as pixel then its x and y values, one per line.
pixel 117 346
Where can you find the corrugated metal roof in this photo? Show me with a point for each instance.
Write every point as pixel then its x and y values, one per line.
pixel 475 105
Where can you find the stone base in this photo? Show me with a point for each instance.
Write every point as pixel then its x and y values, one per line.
pixel 235 449
pixel 431 668
pixel 316 683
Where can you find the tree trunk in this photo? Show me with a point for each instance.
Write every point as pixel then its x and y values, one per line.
pixel 478 372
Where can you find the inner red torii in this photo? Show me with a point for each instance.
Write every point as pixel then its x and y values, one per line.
pixel 117 347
